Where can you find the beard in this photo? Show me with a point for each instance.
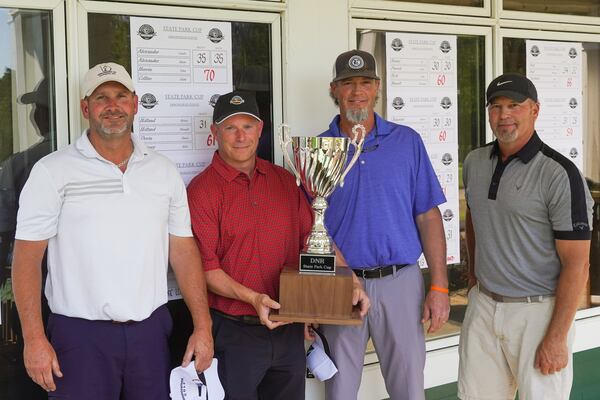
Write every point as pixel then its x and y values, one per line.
pixel 107 128
pixel 506 136
pixel 357 116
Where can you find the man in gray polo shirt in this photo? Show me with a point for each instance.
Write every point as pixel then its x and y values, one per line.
pixel 528 238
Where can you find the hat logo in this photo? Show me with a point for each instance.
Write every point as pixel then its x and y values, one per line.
pixel 572 52
pixel 146 32
pixel 446 103
pixel 445 47
pixel 447 215
pixel 502 83
pixel 148 101
pixel 535 51
pixel 573 102
pixel 215 35
pixel 398 103
pixel 356 62
pixel 447 159
pixel 106 70
pixel 236 101
pixel 397 44
pixel 213 100
pixel 573 153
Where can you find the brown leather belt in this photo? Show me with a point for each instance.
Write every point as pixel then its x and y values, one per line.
pixel 378 272
pixel 506 299
pixel 245 319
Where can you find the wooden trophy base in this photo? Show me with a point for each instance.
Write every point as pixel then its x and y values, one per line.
pixel 311 298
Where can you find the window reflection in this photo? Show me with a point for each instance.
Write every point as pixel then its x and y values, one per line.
pixel 251 55
pixel 589 8
pixel 471 134
pixel 251 48
pixel 27 134
pixel 515 61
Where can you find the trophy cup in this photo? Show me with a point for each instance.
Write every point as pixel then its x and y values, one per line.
pixel 316 291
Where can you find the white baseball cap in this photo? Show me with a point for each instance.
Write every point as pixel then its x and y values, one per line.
pixel 105 72
pixel 318 358
pixel 185 383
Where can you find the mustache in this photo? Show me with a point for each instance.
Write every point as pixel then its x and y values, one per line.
pixel 112 114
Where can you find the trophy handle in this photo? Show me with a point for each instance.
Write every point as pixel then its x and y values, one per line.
pixel 357 130
pixel 284 141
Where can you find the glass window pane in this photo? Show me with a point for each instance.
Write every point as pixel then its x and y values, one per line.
pixel 251 56
pixel 251 47
pixel 471 134
pixel 515 61
pixel 467 3
pixel 589 8
pixel 27 133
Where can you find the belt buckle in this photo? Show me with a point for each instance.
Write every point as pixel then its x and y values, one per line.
pixel 362 274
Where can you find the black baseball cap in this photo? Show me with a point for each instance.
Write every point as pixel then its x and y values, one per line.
pixel 235 103
pixel 354 63
pixel 514 86
pixel 37 96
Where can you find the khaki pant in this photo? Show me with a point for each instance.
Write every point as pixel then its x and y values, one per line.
pixel 497 350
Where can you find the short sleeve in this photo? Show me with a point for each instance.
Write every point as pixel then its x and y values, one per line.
pixel 179 213
pixel 39 206
pixel 205 224
pixel 570 205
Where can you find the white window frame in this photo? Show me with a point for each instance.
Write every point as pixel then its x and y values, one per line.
pixel 59 56
pixel 562 19
pixel 395 5
pixel 442 353
pixel 77 15
pixel 255 5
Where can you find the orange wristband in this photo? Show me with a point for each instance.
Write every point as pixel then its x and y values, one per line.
pixel 438 289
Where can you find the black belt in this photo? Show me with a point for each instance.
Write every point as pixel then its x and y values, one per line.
pixel 378 272
pixel 245 319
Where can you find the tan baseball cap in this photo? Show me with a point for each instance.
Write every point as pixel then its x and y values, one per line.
pixel 105 72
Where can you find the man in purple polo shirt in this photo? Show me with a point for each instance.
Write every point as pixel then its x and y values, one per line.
pixel 383 218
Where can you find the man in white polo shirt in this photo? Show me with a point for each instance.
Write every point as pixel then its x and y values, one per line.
pixel 112 215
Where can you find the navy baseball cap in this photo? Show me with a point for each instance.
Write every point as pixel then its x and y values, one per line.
pixel 514 86
pixel 235 103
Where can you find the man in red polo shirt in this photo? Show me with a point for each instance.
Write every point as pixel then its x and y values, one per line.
pixel 250 219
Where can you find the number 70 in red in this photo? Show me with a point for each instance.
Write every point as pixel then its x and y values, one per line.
pixel 209 74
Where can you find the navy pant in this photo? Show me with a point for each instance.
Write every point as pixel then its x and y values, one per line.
pixel 104 360
pixel 258 363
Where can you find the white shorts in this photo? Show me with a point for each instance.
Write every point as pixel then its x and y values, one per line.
pixel 497 350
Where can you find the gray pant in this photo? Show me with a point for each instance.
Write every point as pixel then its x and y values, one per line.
pixel 394 324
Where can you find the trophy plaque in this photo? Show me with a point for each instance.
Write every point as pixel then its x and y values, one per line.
pixel 316 291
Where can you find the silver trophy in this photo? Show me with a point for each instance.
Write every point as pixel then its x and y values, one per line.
pixel 319 165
